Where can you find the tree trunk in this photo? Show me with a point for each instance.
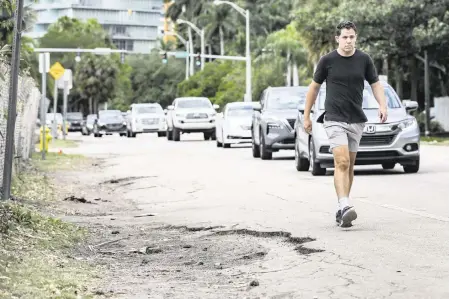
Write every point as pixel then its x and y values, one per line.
pixel 91 106
pixel 385 66
pixel 295 74
pixel 399 79
pixel 413 79
pixel 220 29
pixel 289 70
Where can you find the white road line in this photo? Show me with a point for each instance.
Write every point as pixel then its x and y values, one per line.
pixel 414 212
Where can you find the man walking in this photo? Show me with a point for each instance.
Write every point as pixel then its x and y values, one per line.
pixel 344 70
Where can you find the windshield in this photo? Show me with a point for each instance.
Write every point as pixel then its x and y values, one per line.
pixel 91 118
pixel 50 116
pixel 369 101
pixel 286 99
pixel 194 103
pixel 75 116
pixel 148 109
pixel 239 111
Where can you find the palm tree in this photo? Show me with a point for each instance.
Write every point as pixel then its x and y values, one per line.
pixel 218 19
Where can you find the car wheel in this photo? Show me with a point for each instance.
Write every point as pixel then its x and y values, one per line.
pixel 255 148
pixel 176 134
pixel 160 134
pixel 412 168
pixel 316 167
pixel 207 136
pixel 265 154
pixel 213 136
pixel 388 165
pixel 302 164
pixel 219 144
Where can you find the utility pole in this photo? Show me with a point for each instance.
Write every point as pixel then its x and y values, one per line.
pixel 44 68
pixel 425 60
pixel 12 101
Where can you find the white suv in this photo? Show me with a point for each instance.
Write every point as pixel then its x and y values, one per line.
pixel 191 115
pixel 146 118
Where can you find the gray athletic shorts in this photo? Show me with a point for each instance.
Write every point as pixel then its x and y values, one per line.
pixel 341 133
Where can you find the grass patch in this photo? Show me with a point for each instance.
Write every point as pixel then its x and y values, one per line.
pixel 36 250
pixel 34 260
pixel 435 140
pixel 61 143
pixel 56 161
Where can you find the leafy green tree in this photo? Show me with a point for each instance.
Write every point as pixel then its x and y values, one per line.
pixel 96 78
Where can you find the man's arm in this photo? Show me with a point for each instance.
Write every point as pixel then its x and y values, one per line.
pixel 379 95
pixel 311 96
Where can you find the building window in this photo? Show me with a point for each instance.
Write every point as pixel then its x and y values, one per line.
pixel 119 30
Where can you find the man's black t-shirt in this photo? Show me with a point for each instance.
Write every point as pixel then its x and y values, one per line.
pixel 344 78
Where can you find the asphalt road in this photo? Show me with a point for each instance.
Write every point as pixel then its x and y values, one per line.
pixel 397 248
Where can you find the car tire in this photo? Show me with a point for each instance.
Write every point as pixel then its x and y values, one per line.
pixel 226 145
pixel 176 134
pixel 161 134
pixel 412 168
pixel 317 170
pixel 302 164
pixel 213 136
pixel 388 166
pixel 265 154
pixel 254 147
pixel 207 136
pixel 219 144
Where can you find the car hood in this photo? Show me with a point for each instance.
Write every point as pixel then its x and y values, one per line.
pixel 149 115
pixel 281 114
pixel 394 115
pixel 109 121
pixel 194 110
pixel 239 121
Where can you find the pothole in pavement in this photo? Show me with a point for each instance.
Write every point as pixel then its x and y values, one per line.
pixel 178 260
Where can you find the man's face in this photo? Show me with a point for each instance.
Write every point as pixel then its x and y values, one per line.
pixel 346 40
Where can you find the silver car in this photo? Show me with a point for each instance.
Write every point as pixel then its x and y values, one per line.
pixel 273 123
pixel 396 141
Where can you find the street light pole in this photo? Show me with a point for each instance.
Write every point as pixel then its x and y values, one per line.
pixel 246 14
pixel 200 32
pixel 248 62
pixel 187 49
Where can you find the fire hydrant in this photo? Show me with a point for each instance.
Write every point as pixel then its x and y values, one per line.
pixel 47 137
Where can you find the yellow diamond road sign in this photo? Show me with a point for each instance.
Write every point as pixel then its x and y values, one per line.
pixel 57 70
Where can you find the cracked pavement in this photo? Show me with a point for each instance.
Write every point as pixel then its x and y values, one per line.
pixel 397 248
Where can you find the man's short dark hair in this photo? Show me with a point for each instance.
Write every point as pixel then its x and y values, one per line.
pixel 346 25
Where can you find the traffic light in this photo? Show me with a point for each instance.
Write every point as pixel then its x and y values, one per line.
pixel 198 59
pixel 164 57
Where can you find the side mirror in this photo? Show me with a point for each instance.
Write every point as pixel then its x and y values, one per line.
pixel 216 106
pixel 410 106
pixel 257 107
pixel 171 107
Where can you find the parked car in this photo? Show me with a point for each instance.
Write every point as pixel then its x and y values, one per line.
pixel 146 118
pixel 49 118
pixel 274 121
pixel 233 125
pixel 396 141
pixel 109 122
pixel 191 115
pixel 88 124
pixel 75 121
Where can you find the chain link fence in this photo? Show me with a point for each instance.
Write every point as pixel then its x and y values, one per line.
pixel 28 98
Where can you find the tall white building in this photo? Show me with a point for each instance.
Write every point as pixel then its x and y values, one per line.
pixel 132 24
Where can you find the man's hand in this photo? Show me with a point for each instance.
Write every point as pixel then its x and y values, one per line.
pixel 308 126
pixel 383 115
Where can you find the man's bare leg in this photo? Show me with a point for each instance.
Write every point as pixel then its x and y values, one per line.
pixel 342 180
pixel 352 156
pixel 343 177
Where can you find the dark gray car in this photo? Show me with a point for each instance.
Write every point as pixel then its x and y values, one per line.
pixel 273 122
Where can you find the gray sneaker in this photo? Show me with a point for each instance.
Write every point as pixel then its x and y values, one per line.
pixel 348 215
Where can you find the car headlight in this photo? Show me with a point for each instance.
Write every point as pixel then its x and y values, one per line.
pixel 407 123
pixel 100 124
pixel 274 125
